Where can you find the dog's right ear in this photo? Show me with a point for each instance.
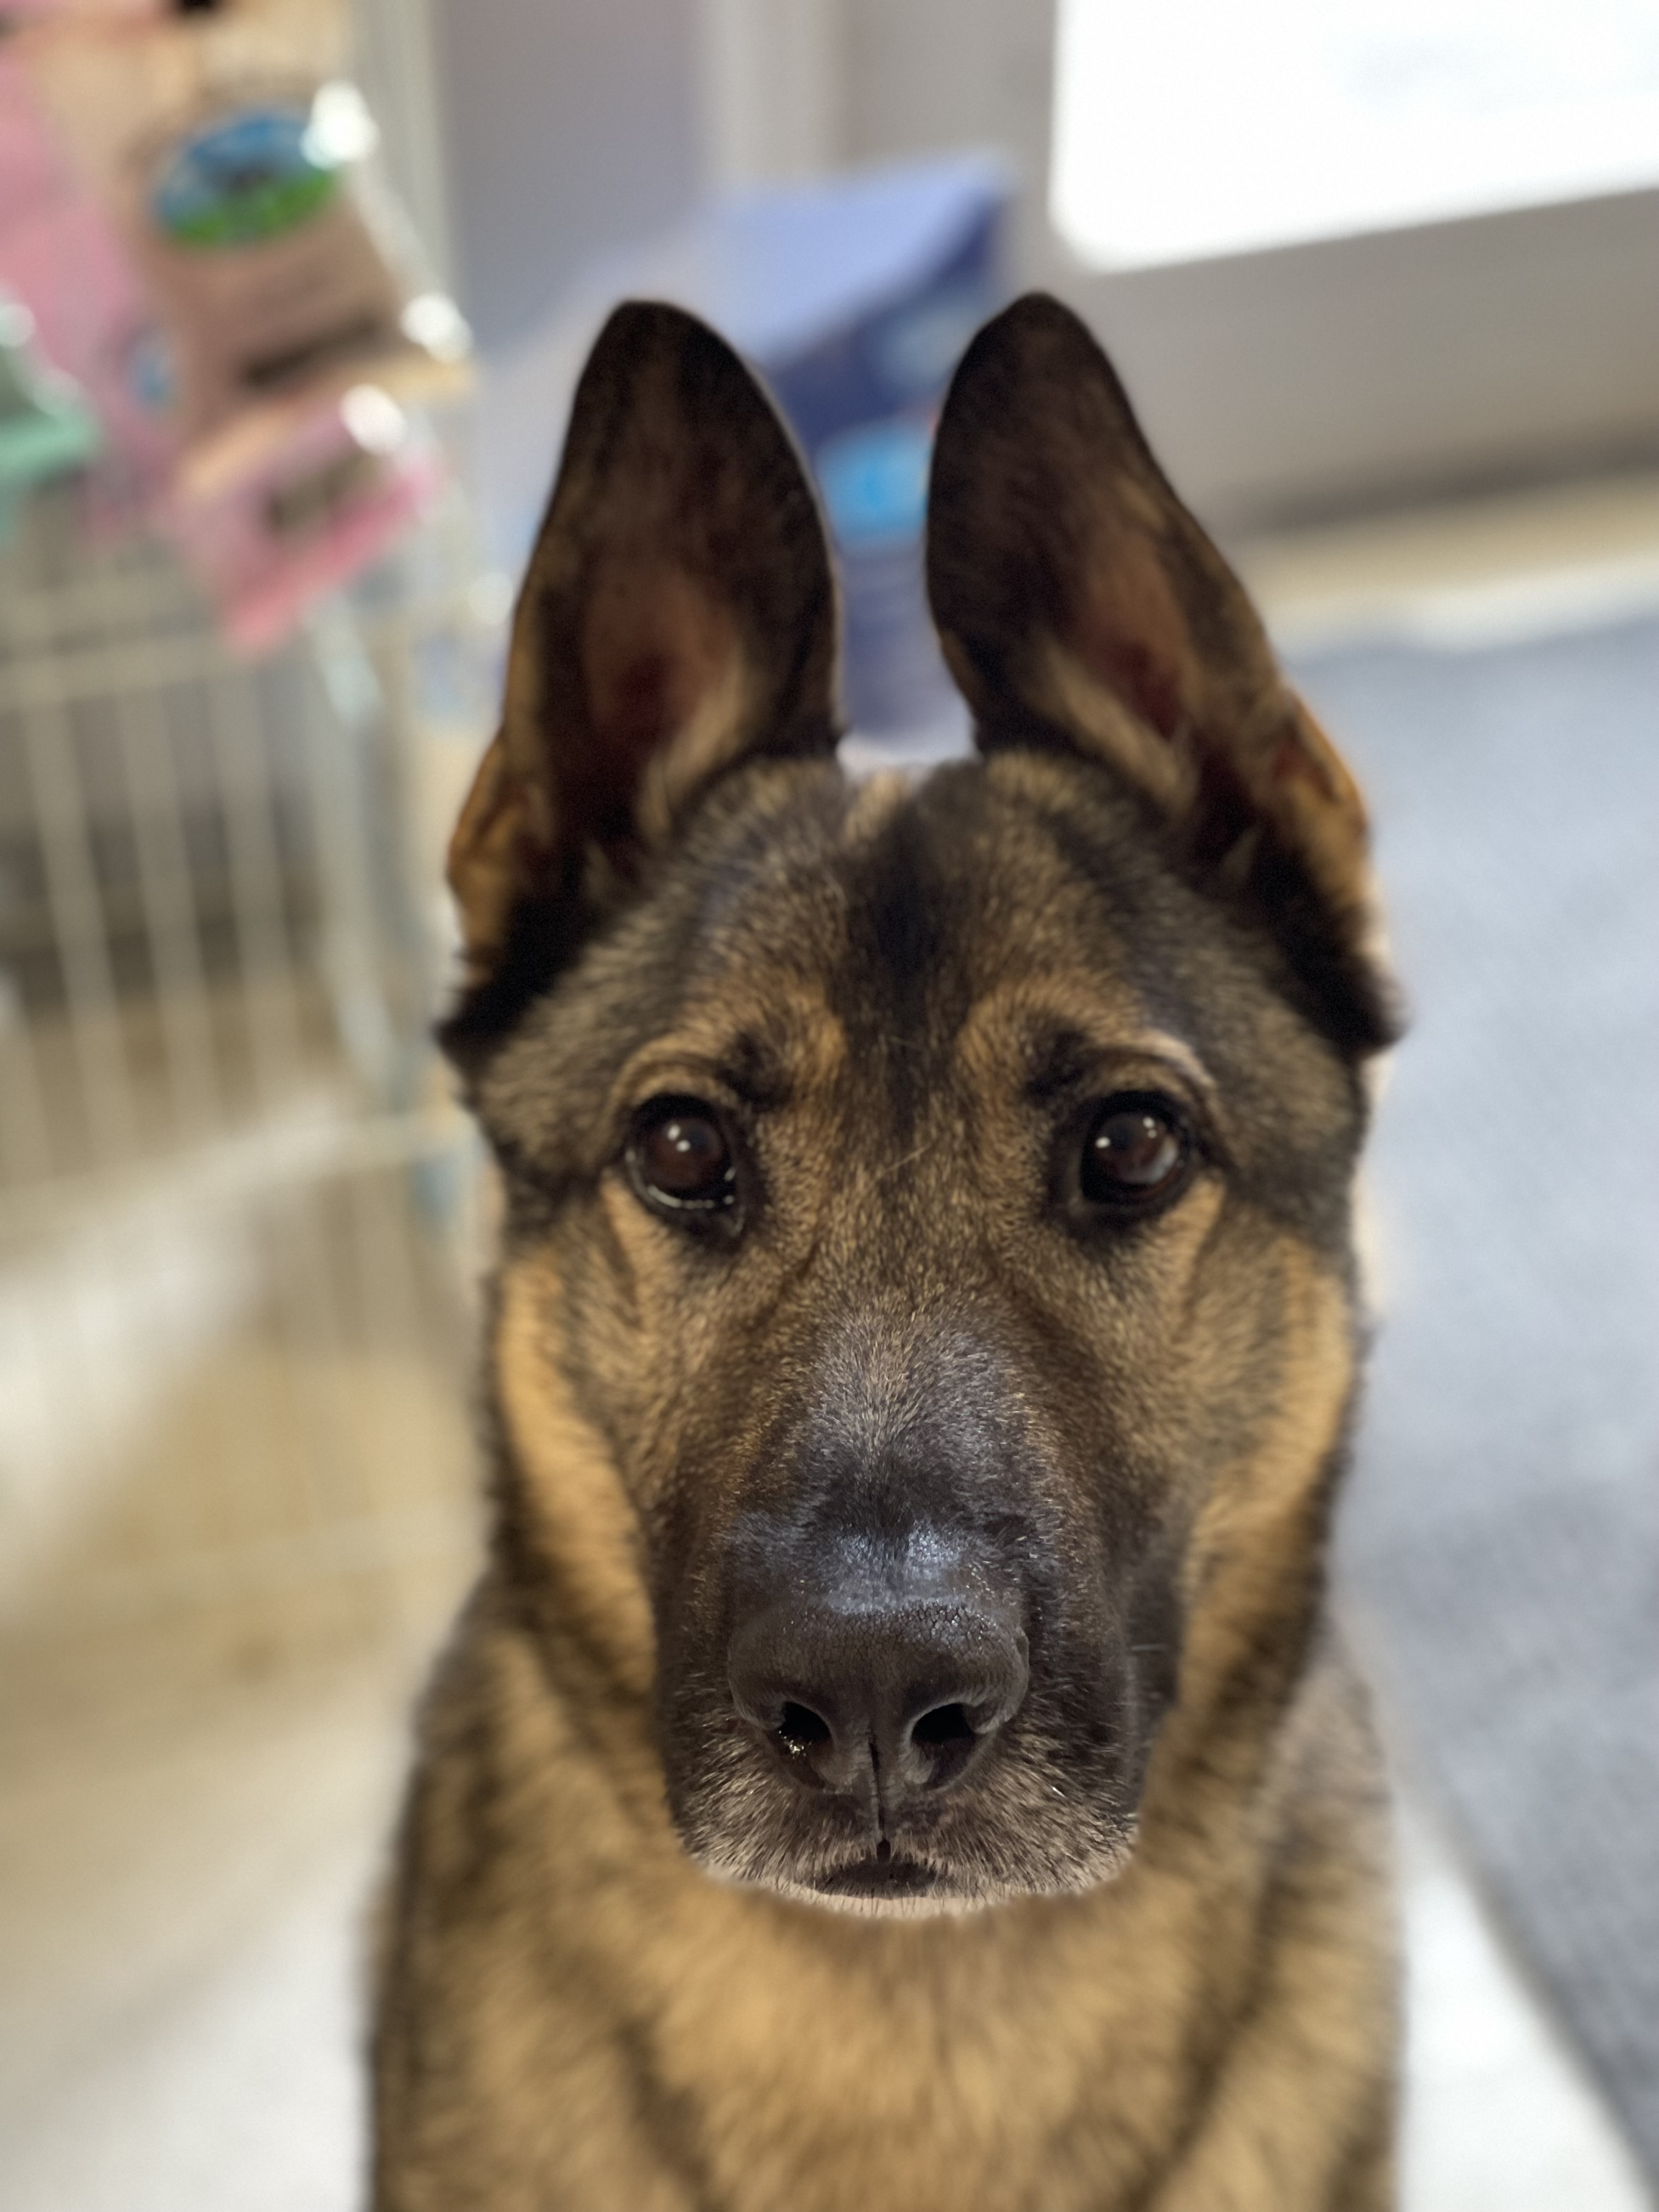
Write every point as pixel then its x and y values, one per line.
pixel 678 616
pixel 1081 606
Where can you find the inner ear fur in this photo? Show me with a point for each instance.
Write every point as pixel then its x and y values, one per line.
pixel 1080 603
pixel 677 615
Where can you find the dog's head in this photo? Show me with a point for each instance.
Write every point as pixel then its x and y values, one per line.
pixel 926 1281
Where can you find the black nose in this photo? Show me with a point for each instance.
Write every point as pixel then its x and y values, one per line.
pixel 906 1696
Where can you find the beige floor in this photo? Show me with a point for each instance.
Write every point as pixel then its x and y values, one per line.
pixel 1501 566
pixel 182 1900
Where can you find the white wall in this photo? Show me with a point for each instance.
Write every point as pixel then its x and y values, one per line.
pixel 570 127
pixel 1408 365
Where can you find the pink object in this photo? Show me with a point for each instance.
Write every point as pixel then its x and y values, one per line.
pixel 61 256
pixel 305 509
pixel 94 11
pixel 230 167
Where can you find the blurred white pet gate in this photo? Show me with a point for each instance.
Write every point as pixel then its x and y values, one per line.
pixel 234 1235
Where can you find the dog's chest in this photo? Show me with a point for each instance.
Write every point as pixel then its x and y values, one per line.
pixel 816 2062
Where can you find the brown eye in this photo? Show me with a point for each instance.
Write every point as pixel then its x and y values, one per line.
pixel 680 1158
pixel 1136 1151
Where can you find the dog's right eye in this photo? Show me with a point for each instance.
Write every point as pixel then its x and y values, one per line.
pixel 680 1158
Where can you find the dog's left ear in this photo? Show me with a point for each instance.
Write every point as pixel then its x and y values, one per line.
pixel 1078 603
pixel 678 616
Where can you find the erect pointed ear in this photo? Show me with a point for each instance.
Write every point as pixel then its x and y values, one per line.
pixel 1080 603
pixel 677 615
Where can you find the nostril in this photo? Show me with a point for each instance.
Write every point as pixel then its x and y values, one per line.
pixel 945 1726
pixel 801 1729
pixel 884 1700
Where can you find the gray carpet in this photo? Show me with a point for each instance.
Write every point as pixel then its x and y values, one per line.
pixel 1501 1544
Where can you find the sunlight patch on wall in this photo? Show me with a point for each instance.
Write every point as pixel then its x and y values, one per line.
pixel 1199 127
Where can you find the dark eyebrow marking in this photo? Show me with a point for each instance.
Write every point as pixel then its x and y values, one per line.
pixel 1064 1058
pixel 754 1071
pixel 1056 1062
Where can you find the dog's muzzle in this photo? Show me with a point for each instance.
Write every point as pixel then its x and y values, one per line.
pixel 876 1691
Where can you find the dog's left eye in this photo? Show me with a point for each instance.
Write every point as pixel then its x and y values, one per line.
pixel 680 1158
pixel 1136 1152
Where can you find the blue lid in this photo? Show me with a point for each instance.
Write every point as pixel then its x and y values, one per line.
pixel 778 269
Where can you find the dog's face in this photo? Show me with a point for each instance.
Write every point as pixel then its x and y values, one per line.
pixel 927 1231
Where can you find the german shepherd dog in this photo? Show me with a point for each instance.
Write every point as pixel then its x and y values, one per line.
pixel 897 1755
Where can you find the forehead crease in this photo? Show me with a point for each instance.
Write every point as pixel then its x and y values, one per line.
pixel 900 985
pixel 957 891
